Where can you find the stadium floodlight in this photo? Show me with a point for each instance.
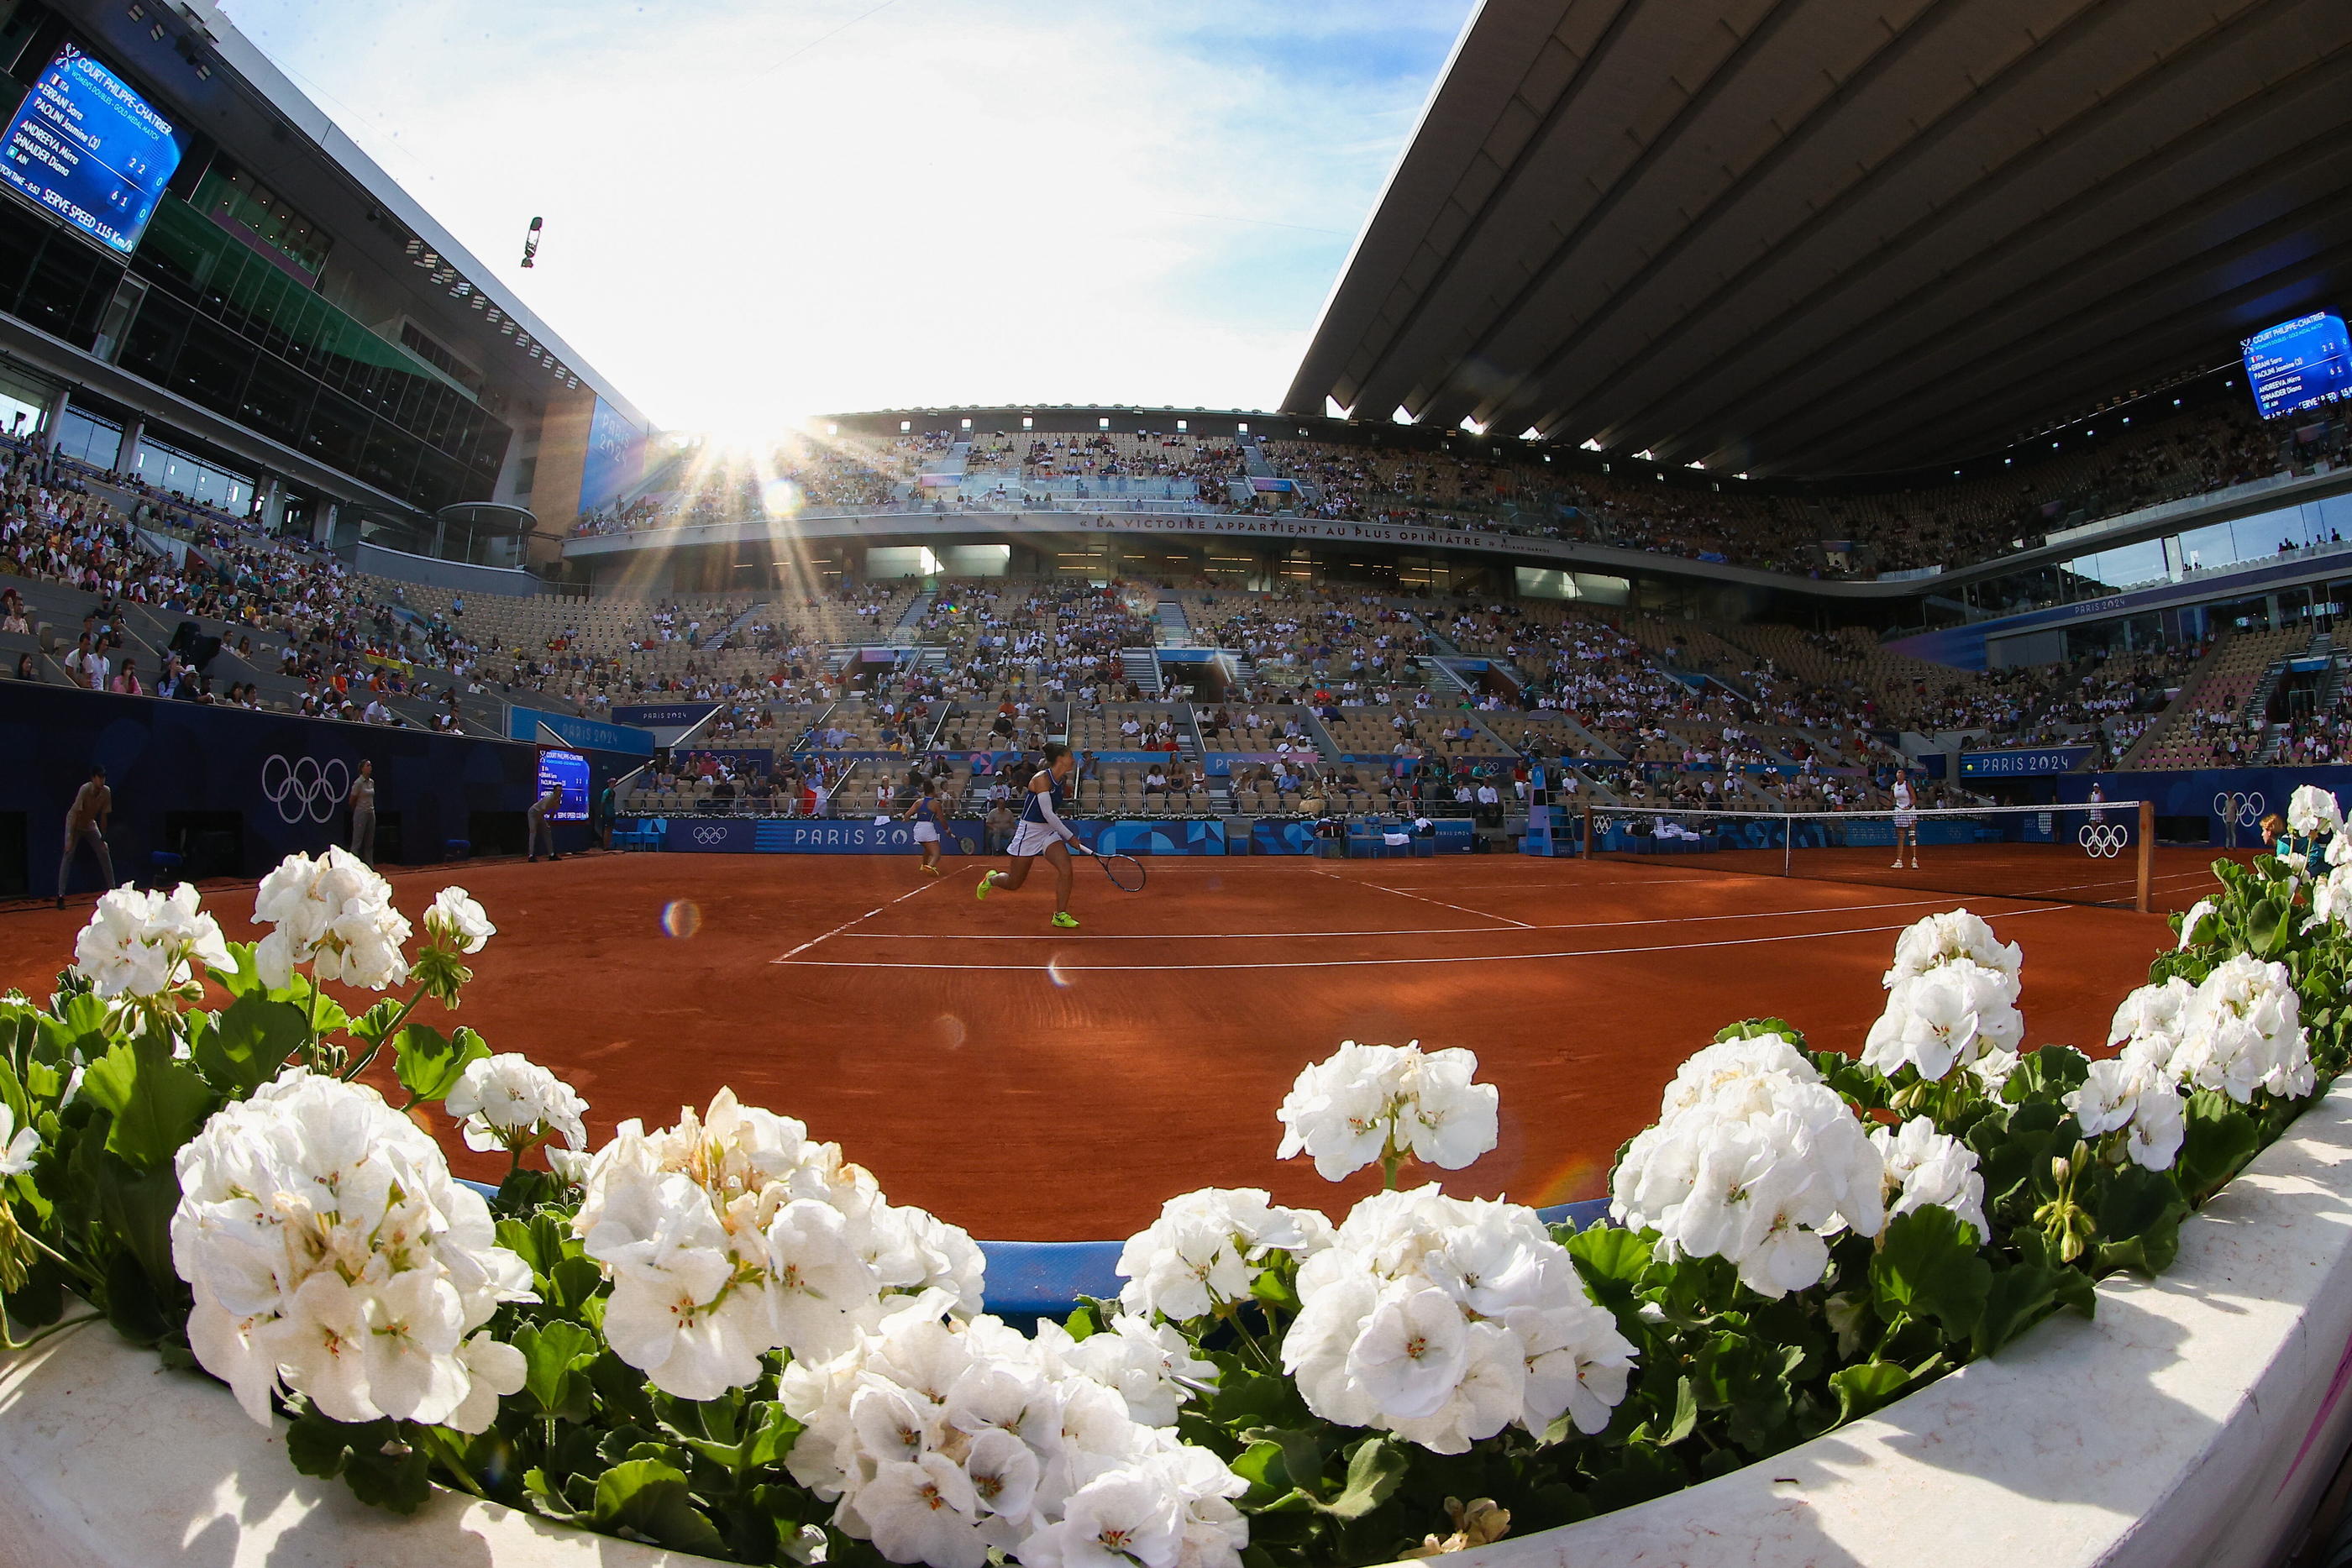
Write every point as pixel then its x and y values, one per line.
pixel 1591 443
pixel 1646 456
pixel 1403 416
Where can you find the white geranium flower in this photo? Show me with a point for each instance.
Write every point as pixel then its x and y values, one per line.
pixel 1928 1168
pixel 1207 1249
pixel 1444 1321
pixel 1368 1102
pixel 145 944
pixel 1755 1160
pixel 1954 936
pixel 1151 1367
pixel 2331 896
pixel 458 923
pixel 940 1440
pixel 1946 1016
pixel 733 1234
pixel 334 914
pixel 2198 913
pixel 329 1251
pixel 2243 1031
pixel 2135 1091
pixel 507 1101
pixel 17 1144
pixel 2312 812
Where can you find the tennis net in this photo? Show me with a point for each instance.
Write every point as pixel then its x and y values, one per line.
pixel 2100 853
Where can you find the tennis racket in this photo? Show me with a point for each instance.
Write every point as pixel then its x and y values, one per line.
pixel 1126 873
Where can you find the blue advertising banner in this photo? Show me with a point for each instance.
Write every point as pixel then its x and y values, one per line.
pixel 2022 764
pixel 658 716
pixel 2231 800
pixel 1282 837
pixel 260 786
pixel 807 836
pixel 864 836
pixel 615 458
pixel 86 149
pixel 522 723
pixel 1181 838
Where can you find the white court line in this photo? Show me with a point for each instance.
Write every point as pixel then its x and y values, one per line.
pixel 1416 931
pixel 860 920
pixel 1401 892
pixel 1058 968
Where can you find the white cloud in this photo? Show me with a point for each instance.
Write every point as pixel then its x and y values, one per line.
pixel 947 200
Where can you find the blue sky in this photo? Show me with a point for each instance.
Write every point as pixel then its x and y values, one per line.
pixel 758 210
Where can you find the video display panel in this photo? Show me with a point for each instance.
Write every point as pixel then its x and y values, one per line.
pixel 2299 364
pixel 89 150
pixel 569 769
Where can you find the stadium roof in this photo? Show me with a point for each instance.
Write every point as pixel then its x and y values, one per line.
pixel 1819 236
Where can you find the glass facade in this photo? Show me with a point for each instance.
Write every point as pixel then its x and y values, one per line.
pixel 2213 551
pixel 235 332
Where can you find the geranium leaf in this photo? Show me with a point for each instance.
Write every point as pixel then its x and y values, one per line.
pixel 1927 1266
pixel 248 1042
pixel 1862 1388
pixel 2019 1297
pixel 552 1351
pixel 650 1497
pixel 1302 1456
pixel 1374 1472
pixel 2221 1137
pixel 428 1064
pixel 157 1104
pixel 1612 1261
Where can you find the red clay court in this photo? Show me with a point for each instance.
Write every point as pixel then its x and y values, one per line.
pixel 1031 1083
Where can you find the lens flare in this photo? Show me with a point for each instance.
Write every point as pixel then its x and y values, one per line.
pixel 681 918
pixel 951 1031
pixel 1059 970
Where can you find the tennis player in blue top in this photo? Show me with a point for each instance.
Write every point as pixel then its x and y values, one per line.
pixel 928 817
pixel 1041 831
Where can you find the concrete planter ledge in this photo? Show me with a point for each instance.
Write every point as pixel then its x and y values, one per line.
pixel 2192 1423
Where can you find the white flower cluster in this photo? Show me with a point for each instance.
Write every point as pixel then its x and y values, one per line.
pixel 943 1440
pixel 458 923
pixel 1445 1320
pixel 2139 1088
pixel 334 914
pixel 1931 1168
pixel 1368 1103
pixel 2240 1031
pixel 2243 1031
pixel 733 1233
pixel 145 944
pixel 2312 812
pixel 1753 1159
pixel 1208 1248
pixel 507 1101
pixel 329 1249
pixel 2199 913
pixel 1951 998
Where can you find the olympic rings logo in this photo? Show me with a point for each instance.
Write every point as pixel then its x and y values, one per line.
pixel 710 834
pixel 305 789
pixel 2245 810
pixel 2102 842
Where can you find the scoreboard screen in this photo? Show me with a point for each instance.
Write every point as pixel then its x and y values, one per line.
pixel 2299 364
pixel 89 151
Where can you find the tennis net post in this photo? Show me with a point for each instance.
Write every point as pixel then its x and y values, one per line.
pixel 1588 832
pixel 2146 851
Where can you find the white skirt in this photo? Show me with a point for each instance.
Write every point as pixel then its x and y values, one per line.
pixel 1031 839
pixel 926 833
pixel 1906 819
